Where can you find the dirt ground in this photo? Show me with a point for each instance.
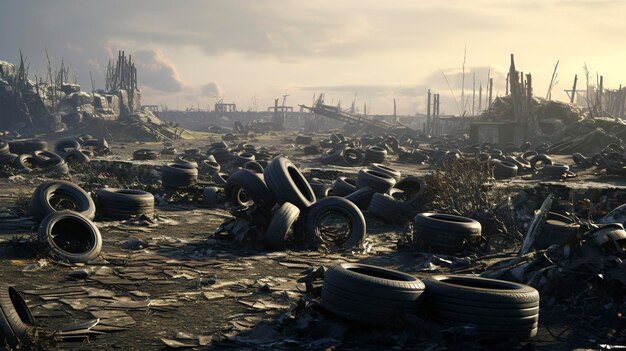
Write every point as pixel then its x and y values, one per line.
pixel 187 285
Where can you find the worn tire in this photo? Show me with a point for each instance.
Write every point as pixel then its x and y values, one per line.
pixel 361 197
pixel 387 170
pixel 65 146
pixel 540 159
pixel 369 294
pixel 74 229
pixel 353 157
pixel 50 194
pixel 174 175
pixel 389 209
pixel 16 320
pixel 495 308
pixel 344 186
pixel 145 154
pixel 504 170
pixel 380 182
pixel 445 233
pixel 124 203
pixel 337 205
pixel 282 221
pixel 288 184
pixel 376 154
pixel 253 185
pixel 210 196
pixel 25 162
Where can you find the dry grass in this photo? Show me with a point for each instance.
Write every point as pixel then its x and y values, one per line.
pixel 466 188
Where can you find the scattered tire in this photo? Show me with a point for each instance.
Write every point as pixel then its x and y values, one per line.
pixel 254 189
pixel 380 182
pixel 369 294
pixel 64 147
pixel 8 159
pixel 303 139
pixel 70 236
pixel 210 196
pixel 386 170
pixel 124 203
pixel 445 233
pixel 344 186
pixel 76 156
pixel 539 161
pixel 208 167
pixel 390 209
pixel 556 170
pixel 504 170
pixel 288 184
pixel 16 320
pixel 254 166
pixel 53 196
pixel 25 162
pixel 353 157
pixel 174 175
pixel 145 154
pixel 27 146
pixel 186 159
pixel 222 155
pixel 361 197
pixel 376 154
pixel 282 221
pixel 339 212
pixel 241 158
pixel 332 156
pixel 4 147
pixel 493 308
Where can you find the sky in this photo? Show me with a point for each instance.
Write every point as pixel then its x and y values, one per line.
pixel 189 53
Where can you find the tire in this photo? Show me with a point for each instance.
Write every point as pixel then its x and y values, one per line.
pixel 504 170
pixel 386 170
pixel 344 186
pixel 337 138
pixel 353 157
pixel 556 170
pixel 337 206
pixel 25 162
pixel 390 210
pixel 124 203
pixel 222 155
pixel 282 221
pixel 145 154
pixel 65 146
pixel 332 156
pixel 380 182
pixel 303 139
pixel 369 294
pixel 254 166
pixel 4 147
pixel 208 167
pixel 27 146
pixel 556 230
pixel 239 128
pixel 70 236
pixel 16 320
pixel 494 308
pixel 376 154
pixel 361 197
pixel 76 156
pixel 254 187
pixel 210 196
pixel 288 184
pixel 444 233
pixel 540 159
pixel 219 178
pixel 241 158
pixel 8 159
pixel 187 160
pixel 411 185
pixel 48 196
pixel 174 175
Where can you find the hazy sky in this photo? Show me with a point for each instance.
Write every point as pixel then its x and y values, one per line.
pixel 189 52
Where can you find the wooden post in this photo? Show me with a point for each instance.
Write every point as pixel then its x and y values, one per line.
pixel 428 121
pixel 395 116
pixel 490 92
pixel 601 93
pixel 480 98
pixel 474 94
pixel 571 98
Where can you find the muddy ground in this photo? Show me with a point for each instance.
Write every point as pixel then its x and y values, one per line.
pixel 191 288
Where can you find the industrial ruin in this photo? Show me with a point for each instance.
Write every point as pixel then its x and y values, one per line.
pixel 310 225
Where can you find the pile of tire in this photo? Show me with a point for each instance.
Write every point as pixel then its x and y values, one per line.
pixel 445 233
pixel 65 212
pixel 295 213
pixel 484 309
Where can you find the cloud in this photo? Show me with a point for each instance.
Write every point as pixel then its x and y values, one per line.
pixel 211 89
pixel 156 72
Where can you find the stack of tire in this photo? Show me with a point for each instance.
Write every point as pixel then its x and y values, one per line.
pixel 65 213
pixel 445 233
pixel 483 308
